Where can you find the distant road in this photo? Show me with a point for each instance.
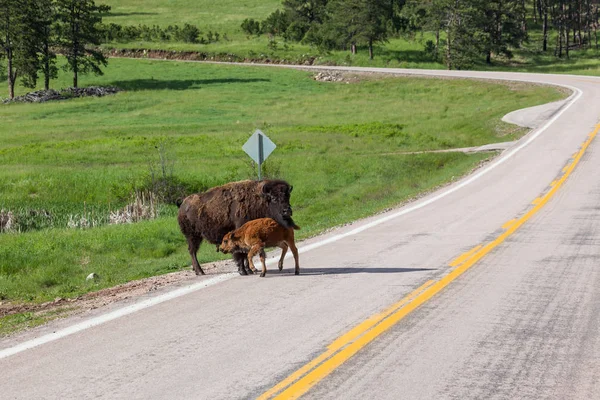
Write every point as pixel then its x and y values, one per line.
pixel 487 289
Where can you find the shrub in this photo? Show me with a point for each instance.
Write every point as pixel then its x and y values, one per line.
pixel 276 23
pixel 251 27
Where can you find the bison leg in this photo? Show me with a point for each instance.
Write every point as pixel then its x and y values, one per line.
pixel 296 258
pixel 284 249
pixel 193 246
pixel 240 260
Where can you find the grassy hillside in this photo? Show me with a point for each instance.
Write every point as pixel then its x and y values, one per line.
pixel 226 17
pixel 223 15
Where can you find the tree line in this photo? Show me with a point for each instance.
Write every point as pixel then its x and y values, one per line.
pixel 32 31
pixel 465 31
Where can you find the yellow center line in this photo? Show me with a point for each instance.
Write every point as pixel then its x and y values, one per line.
pixel 509 223
pixel 343 341
pixel 460 259
pixel 306 377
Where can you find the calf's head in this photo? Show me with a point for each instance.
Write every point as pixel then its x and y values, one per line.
pixel 229 243
pixel 277 195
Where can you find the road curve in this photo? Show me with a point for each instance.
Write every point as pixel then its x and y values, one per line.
pixel 520 319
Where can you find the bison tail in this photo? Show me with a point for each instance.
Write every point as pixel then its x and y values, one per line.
pixel 296 227
pixel 179 202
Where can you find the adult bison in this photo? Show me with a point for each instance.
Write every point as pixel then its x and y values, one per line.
pixel 212 214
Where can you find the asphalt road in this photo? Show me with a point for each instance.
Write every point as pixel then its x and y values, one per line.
pixel 505 265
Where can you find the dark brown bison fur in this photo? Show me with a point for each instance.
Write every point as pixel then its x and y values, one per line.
pixel 254 236
pixel 211 214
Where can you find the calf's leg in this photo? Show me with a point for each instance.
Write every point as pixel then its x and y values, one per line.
pixel 253 251
pixel 262 256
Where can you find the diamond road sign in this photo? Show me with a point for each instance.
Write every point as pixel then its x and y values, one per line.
pixel 259 147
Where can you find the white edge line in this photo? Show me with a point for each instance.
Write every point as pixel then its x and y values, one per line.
pixel 113 315
pixel 221 278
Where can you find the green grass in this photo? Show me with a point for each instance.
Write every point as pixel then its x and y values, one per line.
pixel 223 16
pixel 17 322
pixel 226 17
pixel 339 144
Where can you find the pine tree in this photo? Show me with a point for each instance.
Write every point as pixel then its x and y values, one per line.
pixel 360 22
pixel 502 24
pixel 17 42
pixel 47 39
pixel 79 20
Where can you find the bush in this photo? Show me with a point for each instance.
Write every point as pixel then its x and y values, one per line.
pixel 276 23
pixel 296 31
pixel 189 34
pixel 431 50
pixel 129 33
pixel 251 27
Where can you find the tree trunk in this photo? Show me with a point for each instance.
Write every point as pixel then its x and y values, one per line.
pixel 566 35
pixel 370 49
pixel 46 67
pixel 559 43
pixel 488 57
pixel 545 28
pixel 448 50
pixel 11 75
pixel 353 48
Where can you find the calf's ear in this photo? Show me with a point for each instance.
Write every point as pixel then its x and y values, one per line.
pixel 291 188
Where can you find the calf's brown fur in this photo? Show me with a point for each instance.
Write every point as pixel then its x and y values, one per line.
pixel 254 236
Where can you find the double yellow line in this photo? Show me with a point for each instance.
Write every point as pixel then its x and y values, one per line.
pixel 353 341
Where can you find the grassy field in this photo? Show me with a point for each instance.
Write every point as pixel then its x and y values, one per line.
pixel 339 144
pixel 401 52
pixel 224 16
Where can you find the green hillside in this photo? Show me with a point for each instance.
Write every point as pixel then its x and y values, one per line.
pixel 223 15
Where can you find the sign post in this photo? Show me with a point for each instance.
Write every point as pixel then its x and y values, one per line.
pixel 259 147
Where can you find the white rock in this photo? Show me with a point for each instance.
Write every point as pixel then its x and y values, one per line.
pixel 92 276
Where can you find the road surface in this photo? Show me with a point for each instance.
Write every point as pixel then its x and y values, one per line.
pixel 487 289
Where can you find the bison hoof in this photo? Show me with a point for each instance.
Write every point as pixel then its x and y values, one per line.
pixel 281 267
pixel 250 272
pixel 262 275
pixel 297 272
pixel 242 271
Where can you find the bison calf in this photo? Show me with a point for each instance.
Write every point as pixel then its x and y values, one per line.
pixel 254 236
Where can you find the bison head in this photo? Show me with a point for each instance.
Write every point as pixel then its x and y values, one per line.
pixel 277 195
